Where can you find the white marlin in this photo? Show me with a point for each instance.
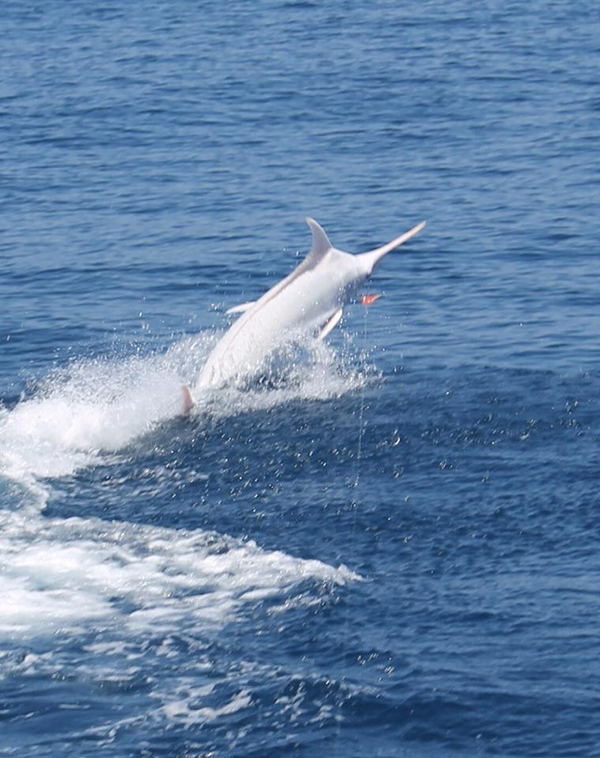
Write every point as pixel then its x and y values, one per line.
pixel 311 298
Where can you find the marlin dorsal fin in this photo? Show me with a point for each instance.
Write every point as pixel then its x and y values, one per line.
pixel 320 242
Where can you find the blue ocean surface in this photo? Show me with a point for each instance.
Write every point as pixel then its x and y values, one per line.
pixel 390 546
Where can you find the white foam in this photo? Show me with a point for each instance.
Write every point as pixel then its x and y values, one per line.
pixel 58 573
pixel 185 710
pixel 96 406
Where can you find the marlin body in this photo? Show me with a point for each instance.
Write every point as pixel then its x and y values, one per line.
pixel 310 299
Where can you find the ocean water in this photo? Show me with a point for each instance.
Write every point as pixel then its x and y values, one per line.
pixel 390 547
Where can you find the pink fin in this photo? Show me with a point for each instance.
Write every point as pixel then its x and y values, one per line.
pixel 188 400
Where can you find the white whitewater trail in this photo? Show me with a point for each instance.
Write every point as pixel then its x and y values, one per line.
pixel 58 573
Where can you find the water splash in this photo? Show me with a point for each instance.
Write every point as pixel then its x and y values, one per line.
pixel 82 412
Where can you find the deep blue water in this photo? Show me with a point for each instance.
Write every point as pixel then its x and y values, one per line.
pixel 390 550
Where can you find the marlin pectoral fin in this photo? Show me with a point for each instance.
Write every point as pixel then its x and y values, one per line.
pixel 333 321
pixel 241 308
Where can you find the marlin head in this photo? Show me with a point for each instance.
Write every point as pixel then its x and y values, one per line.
pixel 368 261
pixel 371 259
pixel 345 272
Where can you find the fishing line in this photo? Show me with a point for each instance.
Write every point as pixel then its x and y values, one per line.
pixel 361 413
pixel 354 506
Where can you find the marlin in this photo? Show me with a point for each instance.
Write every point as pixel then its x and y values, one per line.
pixel 310 300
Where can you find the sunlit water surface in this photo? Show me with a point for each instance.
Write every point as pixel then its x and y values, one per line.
pixel 387 547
